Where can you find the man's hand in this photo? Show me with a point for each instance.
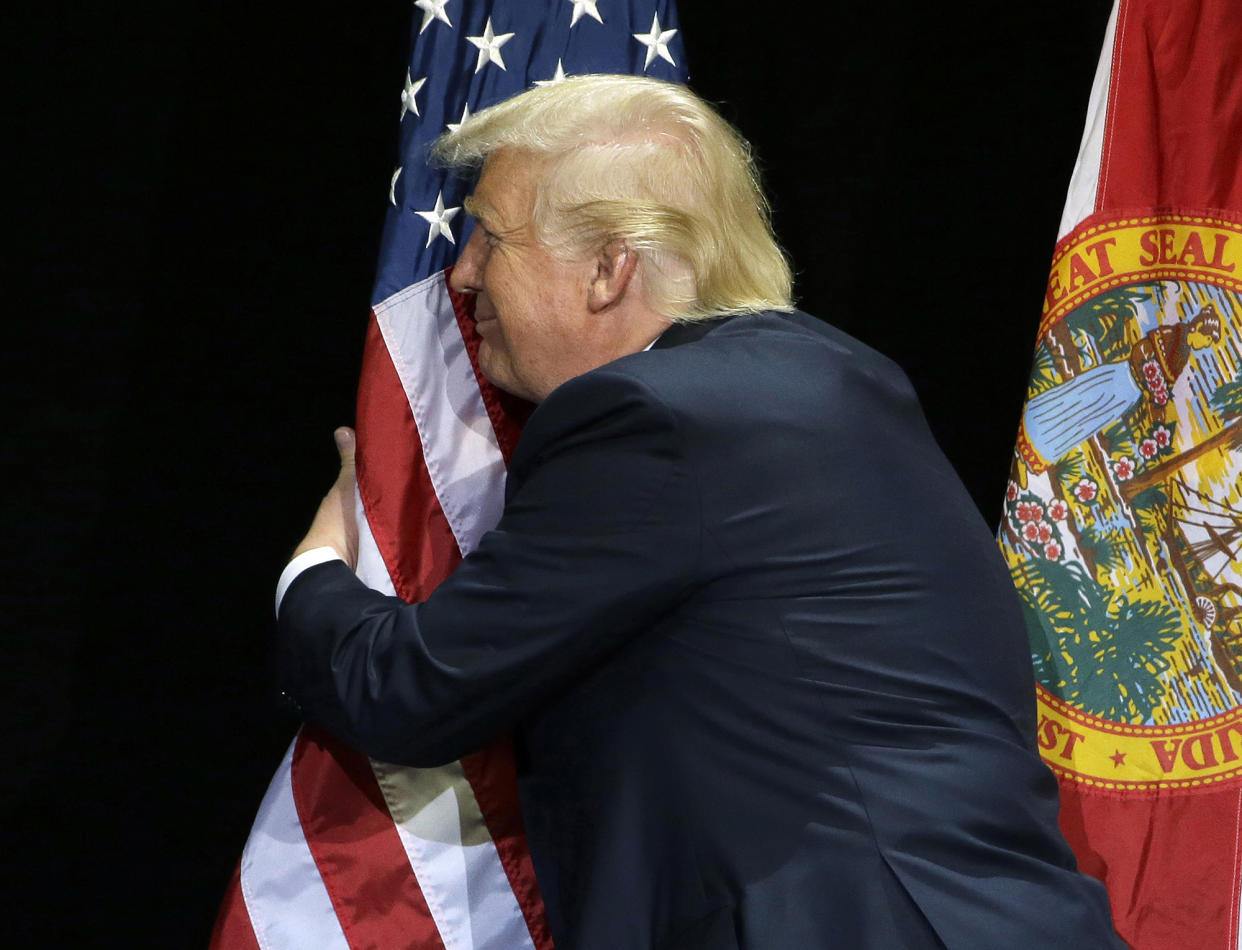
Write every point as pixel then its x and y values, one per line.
pixel 334 524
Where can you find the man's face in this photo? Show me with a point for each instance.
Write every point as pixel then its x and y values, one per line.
pixel 531 310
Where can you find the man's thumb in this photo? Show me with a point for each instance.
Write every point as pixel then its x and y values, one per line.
pixel 345 441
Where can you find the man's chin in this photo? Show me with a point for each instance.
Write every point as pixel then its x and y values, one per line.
pixel 509 386
pixel 494 371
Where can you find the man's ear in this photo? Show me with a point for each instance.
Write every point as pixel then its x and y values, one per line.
pixel 615 266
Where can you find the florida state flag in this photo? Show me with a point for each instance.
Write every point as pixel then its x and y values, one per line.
pixel 1123 517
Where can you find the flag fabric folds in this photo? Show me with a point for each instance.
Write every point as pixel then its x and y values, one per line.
pixel 1123 517
pixel 347 852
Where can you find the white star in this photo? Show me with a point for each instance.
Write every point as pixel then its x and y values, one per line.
pixel 408 94
pixel 439 218
pixel 432 10
pixel 558 76
pixel 489 46
pixel 392 187
pixel 465 114
pixel 656 42
pixel 587 7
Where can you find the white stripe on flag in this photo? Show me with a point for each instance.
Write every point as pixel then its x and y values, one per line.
pixel 1085 182
pixel 442 829
pixel 285 897
pixel 459 447
pixel 453 857
pixel 371 569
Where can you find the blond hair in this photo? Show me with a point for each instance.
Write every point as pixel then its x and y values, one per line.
pixel 650 163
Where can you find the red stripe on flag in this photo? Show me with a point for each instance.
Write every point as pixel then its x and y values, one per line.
pixel 357 848
pixel 1168 861
pixel 408 525
pixel 1177 143
pixel 491 771
pixel 493 778
pixel 233 930
pixel 508 413
pixel 412 533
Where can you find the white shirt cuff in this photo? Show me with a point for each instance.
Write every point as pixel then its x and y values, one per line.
pixel 300 563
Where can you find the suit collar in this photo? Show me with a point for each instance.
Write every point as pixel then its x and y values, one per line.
pixel 680 333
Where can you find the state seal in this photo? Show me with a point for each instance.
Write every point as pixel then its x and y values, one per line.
pixel 1122 524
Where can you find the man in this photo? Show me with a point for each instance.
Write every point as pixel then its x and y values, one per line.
pixel 765 669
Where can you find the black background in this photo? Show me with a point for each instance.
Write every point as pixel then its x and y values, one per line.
pixel 195 218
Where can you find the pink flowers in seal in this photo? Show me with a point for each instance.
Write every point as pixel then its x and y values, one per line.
pixel 1029 512
pixel 1086 490
pixel 1153 376
pixel 1036 521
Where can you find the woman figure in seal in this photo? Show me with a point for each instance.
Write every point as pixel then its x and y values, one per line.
pixel 1070 413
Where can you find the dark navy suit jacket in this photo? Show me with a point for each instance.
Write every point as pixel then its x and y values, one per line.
pixel 765 667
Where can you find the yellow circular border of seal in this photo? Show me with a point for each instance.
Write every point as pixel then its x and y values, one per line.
pixel 1131 250
pixel 1085 749
pixel 1110 755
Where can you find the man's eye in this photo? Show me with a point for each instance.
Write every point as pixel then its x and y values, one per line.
pixel 491 239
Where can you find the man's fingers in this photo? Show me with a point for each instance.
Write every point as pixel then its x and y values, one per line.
pixel 345 443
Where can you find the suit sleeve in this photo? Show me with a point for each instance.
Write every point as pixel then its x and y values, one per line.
pixel 599 539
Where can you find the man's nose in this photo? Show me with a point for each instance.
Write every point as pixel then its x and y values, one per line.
pixel 467 273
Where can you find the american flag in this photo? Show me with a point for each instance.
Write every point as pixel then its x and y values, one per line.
pixel 347 852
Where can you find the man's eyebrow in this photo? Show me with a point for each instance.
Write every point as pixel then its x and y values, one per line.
pixel 486 215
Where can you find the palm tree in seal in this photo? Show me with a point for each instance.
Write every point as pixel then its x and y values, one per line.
pixel 1095 647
